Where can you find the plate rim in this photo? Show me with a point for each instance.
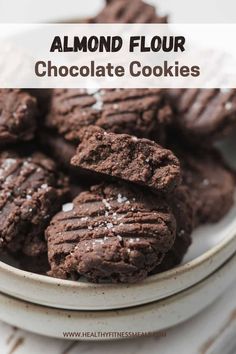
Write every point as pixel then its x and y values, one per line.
pixel 176 272
pixel 182 268
pixel 208 284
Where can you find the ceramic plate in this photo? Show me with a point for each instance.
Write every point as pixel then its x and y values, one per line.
pixel 150 318
pixel 212 246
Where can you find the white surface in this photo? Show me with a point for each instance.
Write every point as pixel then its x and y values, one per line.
pixel 148 318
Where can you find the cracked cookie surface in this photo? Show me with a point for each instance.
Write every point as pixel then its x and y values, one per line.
pixel 140 161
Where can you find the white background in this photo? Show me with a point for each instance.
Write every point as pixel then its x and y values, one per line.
pixel 207 47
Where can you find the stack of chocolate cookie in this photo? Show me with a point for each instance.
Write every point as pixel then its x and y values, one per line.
pixel 123 228
pixel 201 118
pixel 31 188
pixel 109 184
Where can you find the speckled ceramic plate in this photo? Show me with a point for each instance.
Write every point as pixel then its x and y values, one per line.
pixel 212 246
pixel 93 325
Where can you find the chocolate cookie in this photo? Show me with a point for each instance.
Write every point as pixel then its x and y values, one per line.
pixel 140 161
pixel 204 114
pixel 183 211
pixel 211 183
pixel 18 111
pixel 62 152
pixel 58 148
pixel 111 233
pixel 43 97
pixel 140 112
pixel 76 189
pixel 31 191
pixel 132 11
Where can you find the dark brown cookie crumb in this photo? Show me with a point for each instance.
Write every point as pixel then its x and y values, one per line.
pixel 112 233
pixel 126 157
pixel 31 191
pixel 18 112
